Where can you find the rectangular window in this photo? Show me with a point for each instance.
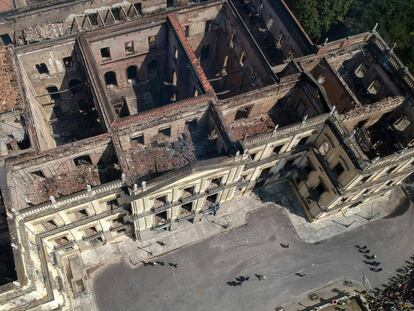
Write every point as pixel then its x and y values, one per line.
pixel 129 48
pixel 90 231
pixel 53 92
pixel 320 189
pixel 277 149
pixel 161 218
pixel 62 241
pixel 93 18
pixel 188 192
pixel 49 224
pixel 364 179
pixel 82 160
pixel 390 170
pixel 216 182
pixel 139 139
pixel 265 172
pixel 338 169
pixel 138 7
pixel 42 68
pixel 152 42
pixel 302 141
pixel 186 208
pixel 105 53
pixel 116 12
pixel 68 61
pixel 242 113
pixel 5 38
pixel 207 26
pixel 160 201
pixel 187 30
pixel 175 54
pixel 165 131
pixel 212 198
pixel 82 213
pixel 118 222
pixel 232 40
pixel 38 173
pixel 243 59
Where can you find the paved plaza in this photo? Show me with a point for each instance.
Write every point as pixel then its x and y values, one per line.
pixel 200 279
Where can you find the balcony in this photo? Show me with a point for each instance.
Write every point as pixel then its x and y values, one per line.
pixel 161 225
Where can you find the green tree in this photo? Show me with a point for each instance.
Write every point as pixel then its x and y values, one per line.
pixel 395 20
pixel 317 16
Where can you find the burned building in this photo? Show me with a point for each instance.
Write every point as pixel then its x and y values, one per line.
pixel 125 119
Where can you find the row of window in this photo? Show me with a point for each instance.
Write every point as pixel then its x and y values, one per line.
pixel 43 69
pixel 187 192
pixel 166 131
pixel 129 48
pixel 387 172
pixel 78 161
pixel 75 215
pixel 118 13
pixel 132 74
pixel 92 234
pixel 162 218
pixel 74 88
pixel 276 149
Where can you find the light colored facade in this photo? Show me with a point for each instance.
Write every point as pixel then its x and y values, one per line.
pixel 141 119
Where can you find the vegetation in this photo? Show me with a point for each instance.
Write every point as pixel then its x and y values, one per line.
pixel 395 18
pixel 317 16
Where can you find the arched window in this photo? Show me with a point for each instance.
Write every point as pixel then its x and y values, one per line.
pixel 152 68
pixel 110 78
pixel 195 92
pixel 173 97
pixel 132 73
pixel 74 86
pixel 205 50
pixel 53 92
pixel 174 78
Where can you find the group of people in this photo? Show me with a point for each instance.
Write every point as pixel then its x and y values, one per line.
pixel 398 294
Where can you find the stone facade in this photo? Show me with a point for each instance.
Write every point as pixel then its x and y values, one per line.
pixel 141 116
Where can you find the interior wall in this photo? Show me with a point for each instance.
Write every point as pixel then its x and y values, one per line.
pixel 55 101
pixel 278 28
pixel 219 30
pixel 169 57
pixel 58 163
pixel 44 134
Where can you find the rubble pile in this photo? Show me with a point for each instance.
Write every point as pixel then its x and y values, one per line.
pixel 248 127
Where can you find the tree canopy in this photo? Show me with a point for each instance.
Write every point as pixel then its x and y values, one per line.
pixel 395 19
pixel 317 16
